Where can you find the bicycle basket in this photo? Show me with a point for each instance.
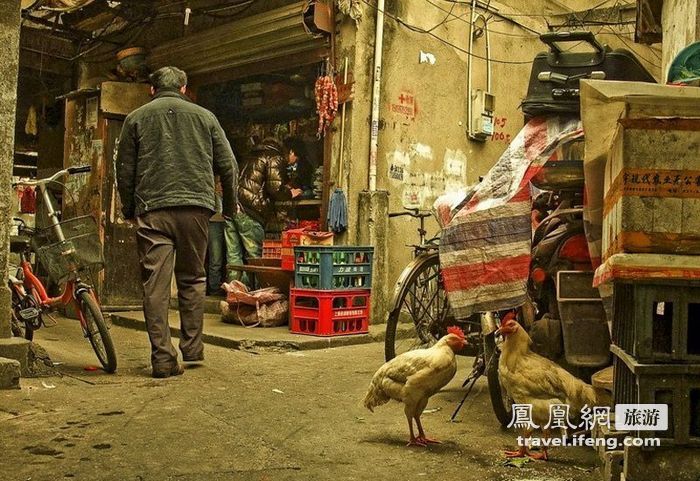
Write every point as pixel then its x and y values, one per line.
pixel 80 250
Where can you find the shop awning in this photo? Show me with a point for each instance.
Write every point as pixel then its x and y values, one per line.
pixel 270 36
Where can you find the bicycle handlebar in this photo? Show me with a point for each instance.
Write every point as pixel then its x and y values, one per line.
pixel 61 173
pixel 415 213
pixel 79 170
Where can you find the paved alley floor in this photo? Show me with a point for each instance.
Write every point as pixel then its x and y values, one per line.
pixel 245 415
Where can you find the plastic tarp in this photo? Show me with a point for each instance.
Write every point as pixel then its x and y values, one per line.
pixel 485 246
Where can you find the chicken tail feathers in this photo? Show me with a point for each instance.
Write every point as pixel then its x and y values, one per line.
pixel 375 396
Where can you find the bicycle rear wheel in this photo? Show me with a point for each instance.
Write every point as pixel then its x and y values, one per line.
pixel 422 302
pixel 97 331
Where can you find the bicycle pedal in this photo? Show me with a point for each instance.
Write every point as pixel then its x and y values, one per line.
pixel 29 314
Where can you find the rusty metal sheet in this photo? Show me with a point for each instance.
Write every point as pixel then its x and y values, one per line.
pixel 120 98
pixel 273 34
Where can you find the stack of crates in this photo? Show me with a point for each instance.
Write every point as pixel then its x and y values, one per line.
pixel 332 290
pixel 656 352
pixel 272 249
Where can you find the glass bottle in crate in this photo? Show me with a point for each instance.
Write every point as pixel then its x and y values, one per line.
pixel 358 258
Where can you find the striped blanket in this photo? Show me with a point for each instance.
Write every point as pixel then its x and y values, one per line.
pixel 485 245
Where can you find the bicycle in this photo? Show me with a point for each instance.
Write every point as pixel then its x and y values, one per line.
pixel 420 295
pixel 65 249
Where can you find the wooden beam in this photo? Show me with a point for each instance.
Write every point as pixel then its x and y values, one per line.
pixel 649 28
pixel 41 62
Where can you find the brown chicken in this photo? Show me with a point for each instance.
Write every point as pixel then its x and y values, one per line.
pixel 413 377
pixel 531 379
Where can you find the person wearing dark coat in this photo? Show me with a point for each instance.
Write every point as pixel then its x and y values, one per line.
pixel 262 181
pixel 168 154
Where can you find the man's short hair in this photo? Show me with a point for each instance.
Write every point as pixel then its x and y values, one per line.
pixel 168 78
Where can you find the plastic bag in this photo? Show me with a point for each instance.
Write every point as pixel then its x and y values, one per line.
pixel 264 307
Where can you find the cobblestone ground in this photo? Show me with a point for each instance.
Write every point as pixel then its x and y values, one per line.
pixel 245 416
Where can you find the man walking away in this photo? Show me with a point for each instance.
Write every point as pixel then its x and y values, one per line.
pixel 169 152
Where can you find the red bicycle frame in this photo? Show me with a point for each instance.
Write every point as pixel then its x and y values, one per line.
pixel 33 284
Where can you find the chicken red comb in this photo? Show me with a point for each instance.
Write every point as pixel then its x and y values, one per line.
pixel 509 317
pixel 456 331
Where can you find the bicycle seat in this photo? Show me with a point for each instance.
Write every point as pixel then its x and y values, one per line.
pixel 19 243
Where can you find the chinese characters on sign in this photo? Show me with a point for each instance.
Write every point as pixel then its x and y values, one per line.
pixel 560 417
pixel 406 105
pixel 641 417
pixel 660 183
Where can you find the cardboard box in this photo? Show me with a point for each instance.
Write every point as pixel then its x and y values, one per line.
pixel 634 132
pixel 301 237
pixel 652 188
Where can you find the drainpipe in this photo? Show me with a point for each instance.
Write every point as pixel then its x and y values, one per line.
pixel 470 93
pixel 376 91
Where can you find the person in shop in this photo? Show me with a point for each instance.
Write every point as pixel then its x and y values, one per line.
pixel 300 174
pixel 216 250
pixel 169 152
pixel 262 181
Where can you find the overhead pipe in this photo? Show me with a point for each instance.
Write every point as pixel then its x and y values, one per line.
pixel 376 92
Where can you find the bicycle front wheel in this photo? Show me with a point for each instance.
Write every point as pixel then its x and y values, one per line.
pixel 422 303
pixel 97 331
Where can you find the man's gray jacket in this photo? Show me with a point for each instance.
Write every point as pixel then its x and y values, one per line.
pixel 168 154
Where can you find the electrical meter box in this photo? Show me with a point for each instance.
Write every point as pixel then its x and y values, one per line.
pixel 483 106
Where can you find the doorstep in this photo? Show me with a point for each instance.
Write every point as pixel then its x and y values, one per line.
pixel 232 336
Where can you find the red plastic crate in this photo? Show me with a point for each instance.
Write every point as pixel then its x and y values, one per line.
pixel 329 313
pixel 272 249
pixel 296 237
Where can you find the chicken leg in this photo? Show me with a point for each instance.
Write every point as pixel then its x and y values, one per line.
pixel 421 434
pixel 413 440
pixel 524 451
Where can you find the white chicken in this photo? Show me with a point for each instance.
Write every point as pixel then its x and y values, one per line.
pixel 532 380
pixel 413 377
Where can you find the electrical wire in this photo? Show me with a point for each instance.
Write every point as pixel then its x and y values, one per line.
pixel 416 29
pixel 243 7
pixel 624 41
pixel 533 33
pixel 497 32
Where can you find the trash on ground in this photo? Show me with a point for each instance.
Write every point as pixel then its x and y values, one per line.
pixel 517 462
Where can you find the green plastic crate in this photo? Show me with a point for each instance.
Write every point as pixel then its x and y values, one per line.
pixel 333 267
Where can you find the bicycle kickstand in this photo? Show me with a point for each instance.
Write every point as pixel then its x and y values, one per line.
pixel 473 376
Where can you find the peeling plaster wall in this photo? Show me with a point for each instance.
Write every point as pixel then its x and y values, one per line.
pixel 423 146
pixel 9 59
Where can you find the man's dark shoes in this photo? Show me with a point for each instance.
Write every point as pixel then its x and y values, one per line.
pixel 198 358
pixel 176 370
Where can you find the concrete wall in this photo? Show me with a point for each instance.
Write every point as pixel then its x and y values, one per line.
pixel 9 59
pixel 423 147
pixel 681 27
